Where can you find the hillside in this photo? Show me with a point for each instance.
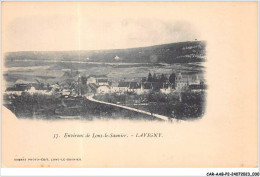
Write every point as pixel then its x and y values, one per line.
pixel 182 52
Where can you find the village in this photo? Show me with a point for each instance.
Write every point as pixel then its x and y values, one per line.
pixel 101 84
pixel 163 96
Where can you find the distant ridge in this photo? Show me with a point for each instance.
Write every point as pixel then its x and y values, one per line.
pixel 181 52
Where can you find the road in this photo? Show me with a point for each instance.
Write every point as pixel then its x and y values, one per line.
pixel 165 118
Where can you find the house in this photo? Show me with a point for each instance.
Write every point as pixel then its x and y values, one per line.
pixel 194 79
pixel 120 87
pixel 93 87
pixel 134 86
pixel 17 89
pixel 181 82
pixel 147 87
pixel 140 88
pixel 103 89
pixel 97 79
pixel 91 80
pixel 55 88
pixel 102 81
pixel 114 87
pixel 117 58
pixel 197 87
pixel 167 88
pixel 31 89
pixel 123 87
pixel 66 92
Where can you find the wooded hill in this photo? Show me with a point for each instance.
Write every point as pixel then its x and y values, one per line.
pixel 182 52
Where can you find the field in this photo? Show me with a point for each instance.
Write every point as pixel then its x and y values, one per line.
pixel 53 72
pixel 131 64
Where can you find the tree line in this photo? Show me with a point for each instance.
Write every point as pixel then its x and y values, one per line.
pixel 160 78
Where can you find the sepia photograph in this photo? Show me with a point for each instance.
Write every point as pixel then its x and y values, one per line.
pixel 160 82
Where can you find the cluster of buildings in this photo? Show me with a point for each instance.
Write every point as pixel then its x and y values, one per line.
pixel 24 86
pixel 134 87
pixel 21 86
pixel 100 84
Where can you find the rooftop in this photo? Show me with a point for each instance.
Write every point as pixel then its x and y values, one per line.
pixel 199 86
pixel 102 80
pixel 97 76
pixel 123 84
pixel 134 85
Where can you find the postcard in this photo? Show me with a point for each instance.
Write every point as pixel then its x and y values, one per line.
pixel 129 84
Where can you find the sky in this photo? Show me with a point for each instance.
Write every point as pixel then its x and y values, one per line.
pixel 49 26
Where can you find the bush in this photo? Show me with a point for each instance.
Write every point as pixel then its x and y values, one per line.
pixel 28 105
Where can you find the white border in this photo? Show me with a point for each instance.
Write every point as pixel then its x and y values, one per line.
pixel 119 171
pixel 124 171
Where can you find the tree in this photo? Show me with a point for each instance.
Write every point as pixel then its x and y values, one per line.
pixel 154 78
pixel 172 78
pixel 163 78
pixel 83 80
pixel 149 78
